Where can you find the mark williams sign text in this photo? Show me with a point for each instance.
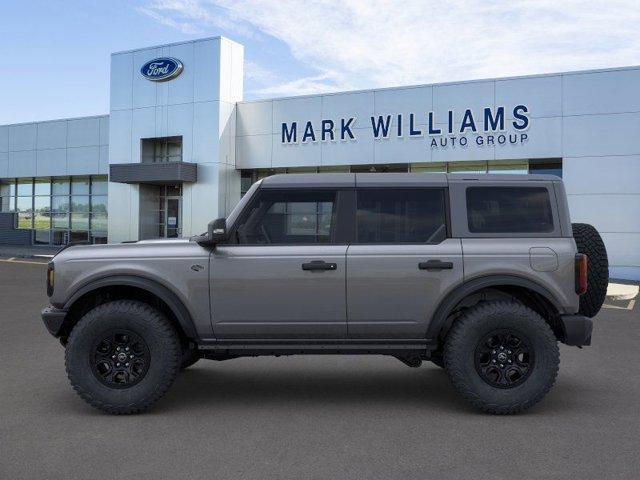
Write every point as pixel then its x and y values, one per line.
pixel 489 127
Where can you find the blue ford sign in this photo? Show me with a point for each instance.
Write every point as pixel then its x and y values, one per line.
pixel 162 69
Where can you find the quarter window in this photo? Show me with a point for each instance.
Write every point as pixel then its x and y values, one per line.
pixel 281 217
pixel 401 216
pixel 509 210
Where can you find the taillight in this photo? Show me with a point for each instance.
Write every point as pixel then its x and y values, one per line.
pixel 581 273
pixel 50 278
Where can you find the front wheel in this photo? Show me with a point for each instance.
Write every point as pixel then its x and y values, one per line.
pixel 502 357
pixel 122 356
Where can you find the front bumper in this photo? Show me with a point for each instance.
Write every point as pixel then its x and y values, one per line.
pixel 53 319
pixel 576 329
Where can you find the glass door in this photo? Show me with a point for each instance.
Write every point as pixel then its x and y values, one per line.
pixel 174 222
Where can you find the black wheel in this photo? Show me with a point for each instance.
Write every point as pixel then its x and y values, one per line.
pixel 190 355
pixel 122 356
pixel 502 357
pixel 590 243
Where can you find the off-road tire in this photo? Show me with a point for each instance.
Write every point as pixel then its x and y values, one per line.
pixel 163 347
pixel 590 243
pixel 190 355
pixel 469 331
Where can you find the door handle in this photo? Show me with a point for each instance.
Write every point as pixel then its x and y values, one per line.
pixel 319 265
pixel 435 265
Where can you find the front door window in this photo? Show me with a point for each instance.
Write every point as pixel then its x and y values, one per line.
pixel 289 218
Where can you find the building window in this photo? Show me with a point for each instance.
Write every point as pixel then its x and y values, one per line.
pixel 58 210
pixel 161 150
pixel 24 203
pixel 472 168
pixel 509 167
pixel 550 166
pixel 8 195
pixel 393 167
pixel 436 167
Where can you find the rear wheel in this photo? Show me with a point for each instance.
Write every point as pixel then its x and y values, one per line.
pixel 502 357
pixel 122 356
pixel 590 243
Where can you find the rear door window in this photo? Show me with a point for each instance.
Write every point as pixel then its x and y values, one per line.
pixel 401 215
pixel 509 210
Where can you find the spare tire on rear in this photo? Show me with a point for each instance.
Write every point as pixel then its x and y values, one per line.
pixel 590 243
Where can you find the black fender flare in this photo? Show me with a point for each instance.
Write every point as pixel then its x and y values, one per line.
pixel 446 306
pixel 167 296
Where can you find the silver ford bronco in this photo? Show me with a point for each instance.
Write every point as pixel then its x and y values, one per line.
pixel 482 275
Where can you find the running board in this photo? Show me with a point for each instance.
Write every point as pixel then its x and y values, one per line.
pixel 252 347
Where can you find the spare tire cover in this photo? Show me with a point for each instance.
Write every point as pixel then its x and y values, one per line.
pixel 590 243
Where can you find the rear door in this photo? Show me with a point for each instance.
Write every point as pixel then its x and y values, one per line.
pixel 283 275
pixel 401 262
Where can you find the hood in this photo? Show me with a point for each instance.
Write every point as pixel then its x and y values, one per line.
pixel 142 248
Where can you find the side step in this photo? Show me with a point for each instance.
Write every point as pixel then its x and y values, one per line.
pixel 242 347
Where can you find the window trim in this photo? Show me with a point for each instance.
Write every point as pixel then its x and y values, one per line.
pixel 446 206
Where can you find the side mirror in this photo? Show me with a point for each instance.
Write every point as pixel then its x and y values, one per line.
pixel 217 230
pixel 216 233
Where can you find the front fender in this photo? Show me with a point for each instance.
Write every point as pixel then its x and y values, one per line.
pixel 174 303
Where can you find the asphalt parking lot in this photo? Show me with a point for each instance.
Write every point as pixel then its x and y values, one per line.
pixel 313 417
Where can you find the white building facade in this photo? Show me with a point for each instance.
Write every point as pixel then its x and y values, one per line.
pixel 179 146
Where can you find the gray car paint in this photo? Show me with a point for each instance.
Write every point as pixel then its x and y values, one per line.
pixel 388 296
pixel 494 256
pixel 261 291
pixel 166 262
pixel 376 291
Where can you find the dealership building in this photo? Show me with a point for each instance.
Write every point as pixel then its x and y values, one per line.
pixel 179 146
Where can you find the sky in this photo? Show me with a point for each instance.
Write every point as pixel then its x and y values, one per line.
pixel 55 53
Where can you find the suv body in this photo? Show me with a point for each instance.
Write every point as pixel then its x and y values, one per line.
pixel 343 263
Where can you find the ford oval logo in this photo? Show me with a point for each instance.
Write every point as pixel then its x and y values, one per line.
pixel 162 69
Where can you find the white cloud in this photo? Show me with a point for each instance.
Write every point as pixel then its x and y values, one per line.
pixel 325 82
pixel 195 16
pixel 184 27
pixel 371 43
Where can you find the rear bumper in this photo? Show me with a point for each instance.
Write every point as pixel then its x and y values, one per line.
pixel 53 319
pixel 577 330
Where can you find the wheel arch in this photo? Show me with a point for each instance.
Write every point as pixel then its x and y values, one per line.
pixel 542 300
pixel 132 287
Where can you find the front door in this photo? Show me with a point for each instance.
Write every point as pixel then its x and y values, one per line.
pixel 283 273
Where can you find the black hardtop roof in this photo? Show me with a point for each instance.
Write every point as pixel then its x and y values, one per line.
pixel 344 180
